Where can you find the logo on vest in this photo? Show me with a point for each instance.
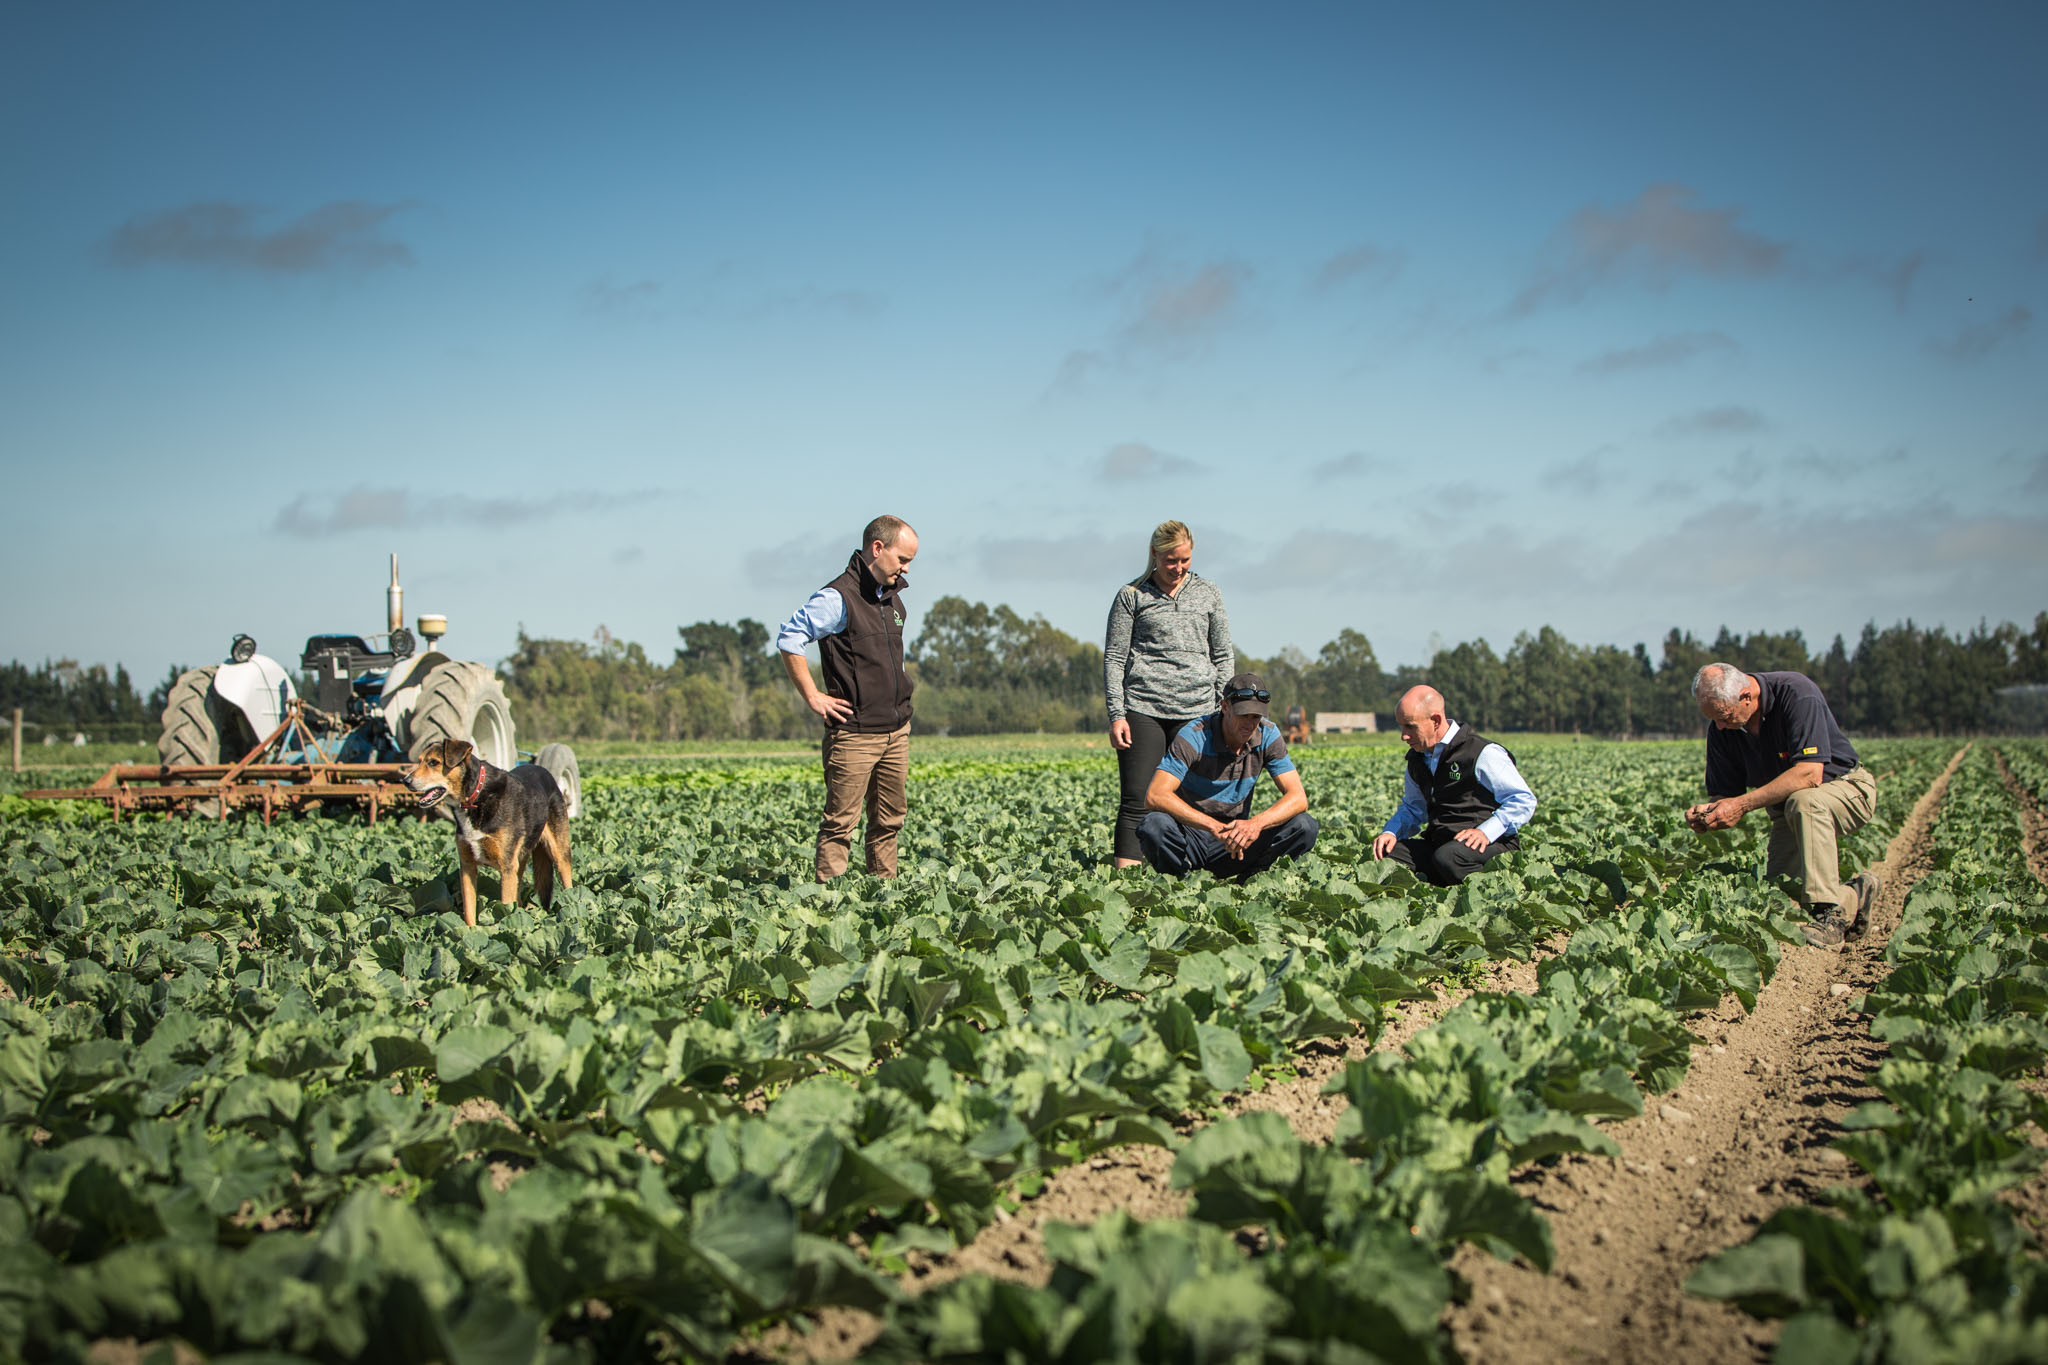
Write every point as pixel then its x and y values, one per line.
pixel 1454 771
pixel 899 618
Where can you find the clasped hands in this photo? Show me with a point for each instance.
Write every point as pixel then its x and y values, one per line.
pixel 1238 836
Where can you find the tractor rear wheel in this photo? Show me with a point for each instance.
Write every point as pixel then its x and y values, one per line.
pixel 463 701
pixel 560 761
pixel 199 725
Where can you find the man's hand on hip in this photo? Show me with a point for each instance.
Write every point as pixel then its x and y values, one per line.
pixel 1383 844
pixel 833 709
pixel 1474 839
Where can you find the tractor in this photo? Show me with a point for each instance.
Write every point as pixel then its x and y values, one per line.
pixel 239 733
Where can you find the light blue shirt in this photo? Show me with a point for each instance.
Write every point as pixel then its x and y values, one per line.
pixel 1496 772
pixel 824 614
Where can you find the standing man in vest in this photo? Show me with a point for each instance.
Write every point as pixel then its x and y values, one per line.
pixel 1773 742
pixel 1464 784
pixel 856 621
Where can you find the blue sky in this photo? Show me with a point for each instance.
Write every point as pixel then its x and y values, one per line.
pixel 1433 325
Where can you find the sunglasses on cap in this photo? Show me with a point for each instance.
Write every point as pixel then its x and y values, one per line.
pixel 1247 694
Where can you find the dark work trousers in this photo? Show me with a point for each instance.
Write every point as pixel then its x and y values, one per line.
pixel 1134 768
pixel 1446 862
pixel 1177 849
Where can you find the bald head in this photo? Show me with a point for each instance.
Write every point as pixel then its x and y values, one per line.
pixel 1420 700
pixel 1420 713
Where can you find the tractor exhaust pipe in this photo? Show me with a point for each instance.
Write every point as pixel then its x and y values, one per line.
pixel 394 600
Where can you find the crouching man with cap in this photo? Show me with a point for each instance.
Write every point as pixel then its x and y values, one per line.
pixel 1200 799
pixel 1466 787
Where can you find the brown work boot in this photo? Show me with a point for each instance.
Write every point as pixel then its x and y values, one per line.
pixel 1827 927
pixel 1868 886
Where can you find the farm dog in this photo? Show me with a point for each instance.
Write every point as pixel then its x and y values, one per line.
pixel 505 818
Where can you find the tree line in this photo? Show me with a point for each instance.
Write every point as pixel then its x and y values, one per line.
pixel 61 698
pixel 1904 679
pixel 984 669
pixel 987 670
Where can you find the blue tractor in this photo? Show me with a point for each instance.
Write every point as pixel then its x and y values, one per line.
pixel 245 718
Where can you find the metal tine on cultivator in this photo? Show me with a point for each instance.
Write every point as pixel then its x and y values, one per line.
pixel 371 708
pixel 223 787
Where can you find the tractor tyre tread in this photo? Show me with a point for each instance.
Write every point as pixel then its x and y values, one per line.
pixel 450 699
pixel 191 728
pixel 560 762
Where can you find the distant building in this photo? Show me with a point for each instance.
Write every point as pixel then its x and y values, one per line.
pixel 2023 708
pixel 1335 722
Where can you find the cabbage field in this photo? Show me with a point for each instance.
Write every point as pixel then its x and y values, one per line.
pixel 261 1091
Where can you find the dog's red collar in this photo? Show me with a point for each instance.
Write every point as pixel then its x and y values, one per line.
pixel 478 790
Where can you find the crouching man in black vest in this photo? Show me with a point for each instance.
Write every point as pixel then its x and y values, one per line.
pixel 856 621
pixel 1464 784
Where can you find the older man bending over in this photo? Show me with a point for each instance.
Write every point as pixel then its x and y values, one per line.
pixel 1466 787
pixel 1773 742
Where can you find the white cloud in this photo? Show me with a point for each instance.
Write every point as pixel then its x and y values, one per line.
pixel 1651 241
pixel 1362 261
pixel 1726 420
pixel 1664 351
pixel 363 508
pixel 346 234
pixel 1978 340
pixel 1133 461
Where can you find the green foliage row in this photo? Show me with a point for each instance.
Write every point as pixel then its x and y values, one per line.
pixel 1926 1263
pixel 259 1088
pixel 224 1037
pixel 1360 1231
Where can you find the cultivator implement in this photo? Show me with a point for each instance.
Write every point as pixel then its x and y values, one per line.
pixel 310 781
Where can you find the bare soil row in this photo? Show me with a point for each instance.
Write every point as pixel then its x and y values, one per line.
pixel 2033 822
pixel 1748 1132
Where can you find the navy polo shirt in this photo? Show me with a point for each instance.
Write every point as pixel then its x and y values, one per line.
pixel 1797 727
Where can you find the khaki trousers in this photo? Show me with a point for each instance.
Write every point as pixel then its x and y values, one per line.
pixel 1806 827
pixel 863 771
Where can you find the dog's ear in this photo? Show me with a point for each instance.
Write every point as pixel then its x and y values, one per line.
pixel 455 753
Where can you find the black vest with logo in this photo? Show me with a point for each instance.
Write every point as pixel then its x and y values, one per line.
pixel 864 662
pixel 1457 798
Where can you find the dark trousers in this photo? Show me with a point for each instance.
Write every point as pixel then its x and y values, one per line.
pixel 1134 768
pixel 1177 849
pixel 1446 862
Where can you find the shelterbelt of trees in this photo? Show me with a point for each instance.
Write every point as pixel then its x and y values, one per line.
pixel 987 670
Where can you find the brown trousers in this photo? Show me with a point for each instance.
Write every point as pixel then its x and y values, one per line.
pixel 863 771
pixel 1805 828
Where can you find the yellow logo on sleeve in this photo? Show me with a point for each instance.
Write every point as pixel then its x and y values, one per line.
pixel 1811 749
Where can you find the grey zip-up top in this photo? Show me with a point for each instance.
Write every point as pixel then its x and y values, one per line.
pixel 1166 656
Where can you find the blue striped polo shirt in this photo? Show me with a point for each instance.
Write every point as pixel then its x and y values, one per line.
pixel 1214 779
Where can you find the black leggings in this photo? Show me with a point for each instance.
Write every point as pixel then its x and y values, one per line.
pixel 1149 737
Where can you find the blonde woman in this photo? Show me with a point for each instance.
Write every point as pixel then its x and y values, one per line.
pixel 1165 659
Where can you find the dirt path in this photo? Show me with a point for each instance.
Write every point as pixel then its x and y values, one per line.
pixel 1747 1133
pixel 2030 1201
pixel 1134 1179
pixel 2033 823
